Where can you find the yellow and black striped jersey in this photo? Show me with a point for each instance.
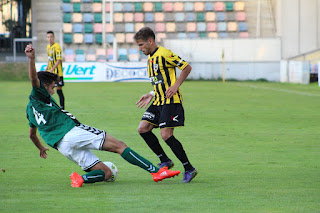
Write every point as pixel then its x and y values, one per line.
pixel 162 65
pixel 54 54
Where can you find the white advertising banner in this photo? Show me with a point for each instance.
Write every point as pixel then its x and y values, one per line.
pixel 101 72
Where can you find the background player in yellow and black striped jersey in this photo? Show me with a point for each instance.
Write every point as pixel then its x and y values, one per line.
pixel 166 111
pixel 55 64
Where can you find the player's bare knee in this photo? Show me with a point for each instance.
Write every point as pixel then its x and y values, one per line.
pixel 165 135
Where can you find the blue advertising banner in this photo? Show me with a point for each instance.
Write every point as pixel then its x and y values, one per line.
pixel 101 72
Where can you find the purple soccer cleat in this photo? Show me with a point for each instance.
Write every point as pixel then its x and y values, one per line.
pixel 168 164
pixel 189 175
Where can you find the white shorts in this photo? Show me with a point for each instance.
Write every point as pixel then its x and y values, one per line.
pixel 77 144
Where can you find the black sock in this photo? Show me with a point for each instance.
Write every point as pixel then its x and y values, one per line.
pixel 61 97
pixel 154 145
pixel 178 150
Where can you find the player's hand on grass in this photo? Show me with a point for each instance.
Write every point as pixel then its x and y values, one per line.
pixel 29 51
pixel 144 100
pixel 43 152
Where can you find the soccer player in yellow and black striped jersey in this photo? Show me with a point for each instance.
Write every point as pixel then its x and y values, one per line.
pixel 55 64
pixel 166 111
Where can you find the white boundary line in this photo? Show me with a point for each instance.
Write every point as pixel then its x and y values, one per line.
pixel 279 90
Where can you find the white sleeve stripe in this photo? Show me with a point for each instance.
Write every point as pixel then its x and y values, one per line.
pixel 179 62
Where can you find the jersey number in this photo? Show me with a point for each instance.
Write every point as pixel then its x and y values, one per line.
pixel 39 117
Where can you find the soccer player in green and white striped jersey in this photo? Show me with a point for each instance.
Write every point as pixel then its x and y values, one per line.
pixel 62 131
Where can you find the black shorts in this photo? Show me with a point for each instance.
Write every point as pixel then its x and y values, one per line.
pixel 60 83
pixel 168 115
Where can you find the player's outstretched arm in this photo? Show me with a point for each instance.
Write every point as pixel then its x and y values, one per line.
pixel 30 52
pixel 34 138
pixel 174 88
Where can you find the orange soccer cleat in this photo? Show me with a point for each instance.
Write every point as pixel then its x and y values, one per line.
pixel 76 180
pixel 164 173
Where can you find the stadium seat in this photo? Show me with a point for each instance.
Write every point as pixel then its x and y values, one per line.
pixel 109 28
pixel 158 7
pixel 133 55
pixel 118 17
pixel 87 17
pixel 202 35
pixel 208 6
pixel 182 35
pixel 181 27
pixel 129 37
pixel 148 7
pixel 138 17
pixel 170 27
pixel 67 38
pixel 127 7
pixel 108 17
pixel 219 6
pixel 221 16
pixel 200 16
pixel 178 7
pixel 128 17
pixel 179 17
pixel 188 6
pixel 210 16
pixel 78 38
pixel 66 8
pixel 97 28
pixel 69 52
pixel 88 38
pixel 229 6
pixel 199 6
pixel 123 54
pixel 241 16
pixel 120 37
pixel 77 28
pixel 159 37
pixel 159 17
pixel 169 17
pixel 97 18
pixel 80 58
pixel 75 1
pixel 109 38
pixel 67 28
pixel 138 26
pixel 118 28
pixel 231 16
pixel 97 0
pixel 107 7
pixel 66 1
pixel 76 7
pixel 67 18
pixel 77 17
pixel 232 26
pixel 110 54
pixel 129 27
pixel 168 6
pixel 212 35
pixel 242 26
pixel 192 35
pixel 190 17
pixel 117 7
pixel 223 35
pixel 191 27
pixel 149 17
pixel 160 27
pixel 86 0
pixel 138 7
pixel 69 58
pixel 86 8
pixel 201 26
pixel 97 7
pixel 239 6
pixel 91 56
pixel 222 27
pixel 171 35
pixel 98 38
pixel 211 27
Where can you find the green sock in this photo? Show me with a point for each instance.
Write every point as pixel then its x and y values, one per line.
pixel 135 159
pixel 94 176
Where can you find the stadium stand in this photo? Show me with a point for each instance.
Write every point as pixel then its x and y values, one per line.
pixel 83 24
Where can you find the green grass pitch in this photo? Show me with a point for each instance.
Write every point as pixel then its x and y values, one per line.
pixel 255 145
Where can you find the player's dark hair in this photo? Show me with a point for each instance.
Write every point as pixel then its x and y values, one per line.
pixel 144 34
pixel 47 77
pixel 50 31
